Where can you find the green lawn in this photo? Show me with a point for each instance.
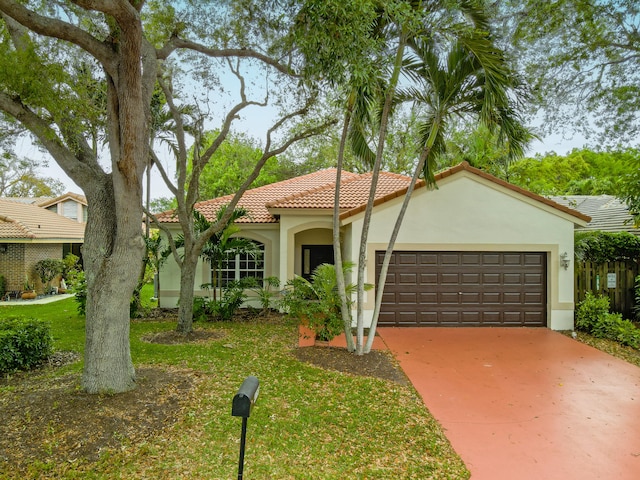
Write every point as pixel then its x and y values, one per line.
pixel 308 423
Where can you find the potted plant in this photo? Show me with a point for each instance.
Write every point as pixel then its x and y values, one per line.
pixel 29 292
pixel 316 302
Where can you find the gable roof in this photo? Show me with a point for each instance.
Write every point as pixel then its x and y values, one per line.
pixel 315 191
pixel 45 202
pixel 26 222
pixel 608 213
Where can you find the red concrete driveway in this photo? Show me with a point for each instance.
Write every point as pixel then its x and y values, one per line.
pixel 520 403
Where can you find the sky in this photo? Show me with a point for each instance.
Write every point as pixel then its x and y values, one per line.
pixel 555 143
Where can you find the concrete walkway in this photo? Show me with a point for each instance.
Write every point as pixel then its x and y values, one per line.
pixel 525 404
pixel 36 301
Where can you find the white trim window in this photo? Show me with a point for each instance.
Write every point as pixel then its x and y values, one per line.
pixel 237 266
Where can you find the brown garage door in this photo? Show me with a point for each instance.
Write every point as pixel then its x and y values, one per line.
pixel 464 289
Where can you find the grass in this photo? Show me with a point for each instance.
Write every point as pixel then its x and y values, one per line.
pixel 308 423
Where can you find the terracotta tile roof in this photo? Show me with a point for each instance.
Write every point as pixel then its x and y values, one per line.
pixel 29 222
pixel 255 200
pixel 315 191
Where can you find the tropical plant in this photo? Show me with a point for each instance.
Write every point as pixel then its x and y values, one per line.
pixel 455 69
pixel 266 293
pixel 317 301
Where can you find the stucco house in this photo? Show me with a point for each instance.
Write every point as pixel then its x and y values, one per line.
pixel 29 233
pixel 476 251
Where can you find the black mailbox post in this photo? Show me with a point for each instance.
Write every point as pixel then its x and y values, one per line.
pixel 241 407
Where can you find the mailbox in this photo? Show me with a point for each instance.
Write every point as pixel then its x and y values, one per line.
pixel 245 398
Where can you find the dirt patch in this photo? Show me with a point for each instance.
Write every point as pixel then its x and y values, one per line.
pixel 53 421
pixel 378 364
pixel 172 337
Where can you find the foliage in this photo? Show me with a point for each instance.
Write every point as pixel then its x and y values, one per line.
pixel 24 343
pixel 582 58
pixel 613 327
pixel 19 178
pixel 581 172
pixel 228 167
pixel 590 310
pixel 233 296
pixel 70 265
pixel 602 247
pixel 3 285
pixel 266 293
pixel 593 317
pixel 78 286
pixel 48 269
pixel 318 300
pixel 636 306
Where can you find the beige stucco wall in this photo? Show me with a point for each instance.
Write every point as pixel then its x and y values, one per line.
pixel 170 272
pixel 469 213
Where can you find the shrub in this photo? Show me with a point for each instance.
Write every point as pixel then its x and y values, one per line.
pixel 318 300
pixel 590 310
pixel 3 286
pixel 78 285
pixel 24 343
pixel 47 270
pixel 636 306
pixel 233 296
pixel 612 327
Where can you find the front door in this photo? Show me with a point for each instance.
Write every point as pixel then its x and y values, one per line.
pixel 314 255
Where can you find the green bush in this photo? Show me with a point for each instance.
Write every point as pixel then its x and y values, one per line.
pixel 590 310
pixel 24 343
pixel 612 326
pixel 593 317
pixel 636 307
pixel 3 286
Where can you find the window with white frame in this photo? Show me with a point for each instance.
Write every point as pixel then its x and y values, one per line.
pixel 241 265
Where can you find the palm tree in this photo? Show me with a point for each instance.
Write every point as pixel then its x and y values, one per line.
pixel 472 79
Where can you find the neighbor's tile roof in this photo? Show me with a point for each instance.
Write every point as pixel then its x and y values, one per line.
pixel 316 190
pixel 29 222
pixel 608 213
pixel 45 202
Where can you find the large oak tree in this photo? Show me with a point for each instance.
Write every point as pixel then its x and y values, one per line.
pixel 80 75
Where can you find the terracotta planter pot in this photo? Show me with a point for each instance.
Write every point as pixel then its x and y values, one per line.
pixel 30 295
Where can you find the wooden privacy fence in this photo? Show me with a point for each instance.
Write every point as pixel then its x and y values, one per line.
pixel 614 279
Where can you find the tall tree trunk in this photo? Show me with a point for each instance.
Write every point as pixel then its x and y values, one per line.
pixel 387 256
pixel 337 248
pixel 108 258
pixel 187 280
pixel 393 82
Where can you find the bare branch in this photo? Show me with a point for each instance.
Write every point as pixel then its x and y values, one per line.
pixel 177 43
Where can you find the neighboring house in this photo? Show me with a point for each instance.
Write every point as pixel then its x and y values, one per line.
pixel 29 233
pixel 476 251
pixel 608 213
pixel 70 205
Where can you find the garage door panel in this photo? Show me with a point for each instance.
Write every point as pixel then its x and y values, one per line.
pixel 465 288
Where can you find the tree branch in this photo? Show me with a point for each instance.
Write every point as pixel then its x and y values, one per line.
pixel 80 172
pixel 52 27
pixel 176 43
